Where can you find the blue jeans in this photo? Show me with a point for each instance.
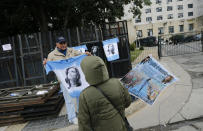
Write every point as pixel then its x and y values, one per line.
pixel 70 105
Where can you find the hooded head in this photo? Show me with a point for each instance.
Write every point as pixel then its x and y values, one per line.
pixel 94 69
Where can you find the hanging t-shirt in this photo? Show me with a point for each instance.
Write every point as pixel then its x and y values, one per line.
pixel 69 74
pixel 80 48
pixel 111 49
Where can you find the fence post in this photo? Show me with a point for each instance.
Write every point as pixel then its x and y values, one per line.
pixel 159 47
pixel 78 35
pixel 22 60
pixel 41 52
pixel 202 39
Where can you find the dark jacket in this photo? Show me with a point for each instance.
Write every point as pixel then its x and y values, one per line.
pixel 96 113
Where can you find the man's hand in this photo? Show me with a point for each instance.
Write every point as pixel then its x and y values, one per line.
pixel 88 53
pixel 44 61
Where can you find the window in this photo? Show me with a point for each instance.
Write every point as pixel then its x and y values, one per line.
pixel 180 15
pixel 190 13
pixel 181 28
pixel 191 27
pixel 161 30
pixel 158 1
pixel 160 17
pixel 148 11
pixel 169 8
pixel 169 1
pixel 150 32
pixel 170 16
pixel 180 7
pixel 159 9
pixel 139 33
pixel 148 19
pixel 171 29
pixel 137 20
pixel 190 5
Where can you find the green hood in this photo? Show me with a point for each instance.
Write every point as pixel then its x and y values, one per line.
pixel 94 69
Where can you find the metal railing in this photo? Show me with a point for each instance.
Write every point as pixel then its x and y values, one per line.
pixel 180 44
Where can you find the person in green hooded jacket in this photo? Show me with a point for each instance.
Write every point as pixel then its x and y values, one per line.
pixel 96 113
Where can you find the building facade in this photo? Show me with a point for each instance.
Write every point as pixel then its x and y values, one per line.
pixel 164 17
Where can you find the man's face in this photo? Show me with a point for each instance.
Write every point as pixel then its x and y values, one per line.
pixel 62 45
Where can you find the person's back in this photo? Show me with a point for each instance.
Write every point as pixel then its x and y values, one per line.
pixel 95 111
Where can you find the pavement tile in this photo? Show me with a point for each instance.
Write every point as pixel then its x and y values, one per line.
pixel 69 128
pixel 172 100
pixel 17 127
pixel 134 107
pixel 194 108
pixel 185 128
pixel 177 117
pixel 199 125
pixel 3 128
pixel 197 83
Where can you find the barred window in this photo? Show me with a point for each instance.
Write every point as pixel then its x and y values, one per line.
pixel 180 15
pixel 170 16
pixel 160 17
pixel 180 7
pixel 148 19
pixel 169 8
pixel 171 29
pixel 190 13
pixel 148 11
pixel 159 9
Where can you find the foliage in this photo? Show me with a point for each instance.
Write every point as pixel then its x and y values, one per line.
pixel 21 16
pixel 134 54
pixel 141 48
pixel 132 47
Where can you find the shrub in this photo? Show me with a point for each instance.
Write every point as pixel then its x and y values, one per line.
pixel 132 47
pixel 141 48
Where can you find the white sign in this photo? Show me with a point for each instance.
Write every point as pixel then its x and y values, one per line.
pixel 6 47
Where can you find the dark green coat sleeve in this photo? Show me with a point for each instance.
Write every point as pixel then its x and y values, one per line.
pixel 127 96
pixel 83 115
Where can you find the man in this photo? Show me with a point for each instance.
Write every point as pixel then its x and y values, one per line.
pixel 62 52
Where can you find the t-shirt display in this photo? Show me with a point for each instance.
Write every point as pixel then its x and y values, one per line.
pixel 69 74
pixel 111 49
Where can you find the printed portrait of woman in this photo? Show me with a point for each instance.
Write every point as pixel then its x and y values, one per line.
pixel 94 50
pixel 73 77
pixel 167 79
pixel 111 49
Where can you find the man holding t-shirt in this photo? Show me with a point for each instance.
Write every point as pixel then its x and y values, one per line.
pixel 62 52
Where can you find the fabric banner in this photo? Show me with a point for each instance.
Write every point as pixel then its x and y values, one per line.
pixel 111 49
pixel 69 74
pixel 81 48
pixel 148 79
